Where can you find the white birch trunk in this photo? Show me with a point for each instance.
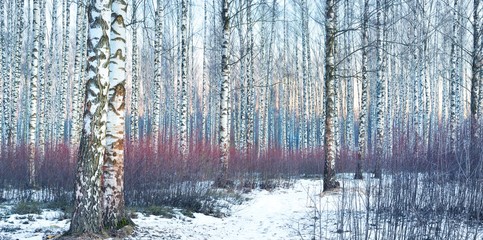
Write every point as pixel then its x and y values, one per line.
pixel 380 91
pixel 134 80
pixel 476 68
pixel 65 71
pixel 78 75
pixel 49 106
pixel 87 202
pixel 41 123
pixel 453 85
pixel 224 99
pixel 5 82
pixel 113 169
pixel 362 143
pixel 305 115
pixel 12 129
pixel 157 75
pixel 250 82
pixel 33 92
pixel 183 118
pixel 330 92
pixel 204 96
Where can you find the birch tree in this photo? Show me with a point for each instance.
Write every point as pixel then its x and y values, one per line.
pixel 183 118
pixel 157 74
pixel 380 91
pixel 330 92
pixel 65 69
pixel 5 81
pixel 12 129
pixel 250 82
pixel 476 68
pixel 224 141
pixel 87 213
pixel 362 142
pixel 41 101
pixel 453 83
pixel 113 175
pixel 33 92
pixel 134 78
pixel 78 74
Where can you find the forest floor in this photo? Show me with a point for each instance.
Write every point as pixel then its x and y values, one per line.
pixel 282 213
pixel 299 210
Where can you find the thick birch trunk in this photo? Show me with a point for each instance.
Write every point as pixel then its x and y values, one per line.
pixel 88 203
pixel 113 169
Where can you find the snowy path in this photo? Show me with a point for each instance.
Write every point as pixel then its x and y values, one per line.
pixel 281 214
pixel 273 215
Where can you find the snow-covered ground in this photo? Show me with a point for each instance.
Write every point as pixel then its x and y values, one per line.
pixel 279 214
pixel 301 211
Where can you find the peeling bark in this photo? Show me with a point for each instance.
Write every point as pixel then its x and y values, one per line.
pixel 87 202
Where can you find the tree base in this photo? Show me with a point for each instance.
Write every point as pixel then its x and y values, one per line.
pixel 222 182
pixel 123 232
pixel 90 236
pixel 331 185
pixel 358 176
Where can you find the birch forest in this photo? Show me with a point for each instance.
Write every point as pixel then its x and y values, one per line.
pixel 110 107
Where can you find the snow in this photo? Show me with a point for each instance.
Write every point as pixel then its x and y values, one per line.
pixel 301 211
pixel 279 214
pixel 31 226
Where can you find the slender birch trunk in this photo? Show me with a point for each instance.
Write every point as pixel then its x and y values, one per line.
pixel 305 84
pixel 476 68
pixel 380 91
pixel 65 71
pixel 183 108
pixel 224 104
pixel 157 75
pixel 78 75
pixel 453 85
pixel 204 102
pixel 134 80
pixel 6 81
pixel 250 82
pixel 3 79
pixel 350 91
pixel 33 92
pixel 88 202
pixel 41 127
pixel 49 106
pixel 361 153
pixel 330 92
pixel 12 129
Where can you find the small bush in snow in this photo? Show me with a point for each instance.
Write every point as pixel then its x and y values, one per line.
pixel 27 208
